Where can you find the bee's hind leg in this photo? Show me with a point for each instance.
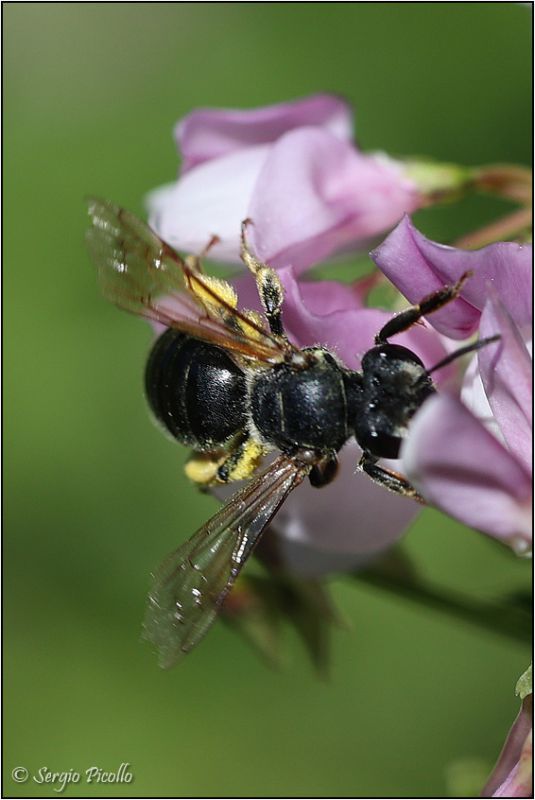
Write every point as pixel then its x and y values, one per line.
pixel 242 461
pixel 268 284
pixel 207 469
pixel 202 468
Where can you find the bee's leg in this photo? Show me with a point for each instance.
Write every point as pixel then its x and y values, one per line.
pixel 268 283
pixel 324 471
pixel 387 478
pixel 404 320
pixel 201 468
pixel 241 462
pixel 194 262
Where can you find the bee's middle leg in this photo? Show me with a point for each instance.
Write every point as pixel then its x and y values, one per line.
pixel 268 284
pixel 324 471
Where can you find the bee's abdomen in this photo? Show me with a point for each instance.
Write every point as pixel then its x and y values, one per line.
pixel 195 390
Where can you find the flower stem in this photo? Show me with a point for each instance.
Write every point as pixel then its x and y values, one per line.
pixel 506 617
pixel 505 228
pixel 509 181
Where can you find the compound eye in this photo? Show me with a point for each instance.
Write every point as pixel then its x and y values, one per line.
pixel 385 354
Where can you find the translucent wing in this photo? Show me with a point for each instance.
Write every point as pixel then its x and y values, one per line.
pixel 193 581
pixel 142 274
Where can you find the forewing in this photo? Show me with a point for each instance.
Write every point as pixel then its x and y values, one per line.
pixel 192 582
pixel 142 274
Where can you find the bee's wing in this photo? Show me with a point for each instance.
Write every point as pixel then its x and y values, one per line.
pixel 142 274
pixel 192 582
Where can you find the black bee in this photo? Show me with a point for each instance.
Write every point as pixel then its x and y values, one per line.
pixel 233 389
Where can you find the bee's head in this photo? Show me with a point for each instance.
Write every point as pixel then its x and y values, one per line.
pixel 394 384
pixel 391 367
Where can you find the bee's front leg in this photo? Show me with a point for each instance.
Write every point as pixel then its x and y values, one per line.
pixel 388 478
pixel 405 319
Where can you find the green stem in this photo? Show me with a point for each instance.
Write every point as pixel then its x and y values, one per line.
pixel 501 617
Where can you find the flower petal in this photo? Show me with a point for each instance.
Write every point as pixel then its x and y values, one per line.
pixel 507 375
pixel 462 469
pixel 209 133
pixel 343 525
pixel 351 515
pixel 512 775
pixel 474 397
pixel 316 194
pixel 212 199
pixel 418 266
pixel 519 782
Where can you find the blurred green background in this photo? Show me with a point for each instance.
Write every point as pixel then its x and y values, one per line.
pixel 95 495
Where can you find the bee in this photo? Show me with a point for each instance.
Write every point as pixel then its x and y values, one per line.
pixel 231 385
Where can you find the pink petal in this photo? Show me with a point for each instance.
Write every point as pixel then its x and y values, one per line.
pixel 209 133
pixel 418 266
pixel 212 199
pixel 462 469
pixel 511 754
pixel 325 297
pixel 316 194
pixel 507 375
pixel 342 525
pixel 519 782
pixel 512 750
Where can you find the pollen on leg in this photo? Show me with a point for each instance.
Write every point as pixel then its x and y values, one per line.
pixel 256 328
pixel 214 292
pixel 202 468
pixel 249 460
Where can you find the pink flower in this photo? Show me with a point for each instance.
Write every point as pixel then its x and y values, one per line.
pixel 293 169
pixel 474 462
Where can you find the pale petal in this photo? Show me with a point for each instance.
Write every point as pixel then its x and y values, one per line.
pixel 349 521
pixel 507 375
pixel 474 397
pixel 211 199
